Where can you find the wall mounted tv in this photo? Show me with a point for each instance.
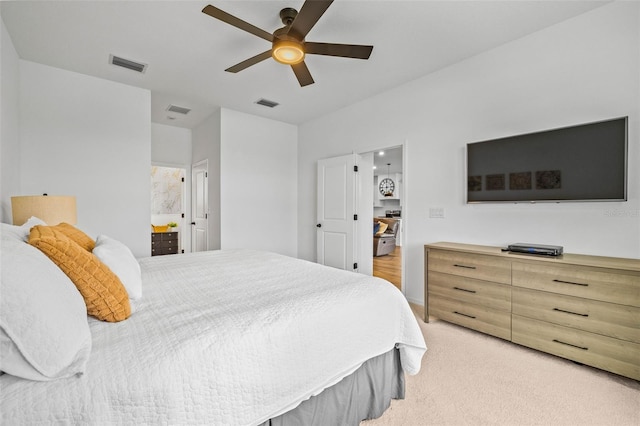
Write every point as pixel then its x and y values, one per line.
pixel 587 162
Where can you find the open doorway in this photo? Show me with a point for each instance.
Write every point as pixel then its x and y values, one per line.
pixel 168 190
pixel 388 198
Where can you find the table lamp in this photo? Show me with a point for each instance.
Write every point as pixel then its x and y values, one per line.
pixel 52 209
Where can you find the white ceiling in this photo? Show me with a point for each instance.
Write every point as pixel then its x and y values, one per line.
pixel 188 51
pixel 392 157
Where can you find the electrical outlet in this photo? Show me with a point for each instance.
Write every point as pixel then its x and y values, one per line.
pixel 436 212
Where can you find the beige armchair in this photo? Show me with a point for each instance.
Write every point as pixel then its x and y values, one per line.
pixel 385 242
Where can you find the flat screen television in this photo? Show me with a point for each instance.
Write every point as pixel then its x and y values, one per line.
pixel 587 162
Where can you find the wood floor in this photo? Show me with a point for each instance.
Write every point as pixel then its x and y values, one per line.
pixel 389 267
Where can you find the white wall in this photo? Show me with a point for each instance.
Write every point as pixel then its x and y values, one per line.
pixel 258 183
pixel 206 146
pixel 91 138
pixel 582 70
pixel 170 145
pixel 252 181
pixel 9 136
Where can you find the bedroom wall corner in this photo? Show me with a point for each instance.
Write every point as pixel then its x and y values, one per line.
pixel 259 184
pixel 9 124
pixel 89 137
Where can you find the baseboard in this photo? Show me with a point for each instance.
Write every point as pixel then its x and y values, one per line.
pixel 418 302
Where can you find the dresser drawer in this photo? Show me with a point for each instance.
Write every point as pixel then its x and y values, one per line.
pixel 168 243
pixel 163 236
pixel 469 290
pixel 618 356
pixel 581 281
pixel 164 244
pixel 619 321
pixel 478 266
pixel 163 250
pixel 490 321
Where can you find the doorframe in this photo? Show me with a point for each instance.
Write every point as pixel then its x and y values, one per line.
pixel 185 238
pixel 195 165
pixel 405 205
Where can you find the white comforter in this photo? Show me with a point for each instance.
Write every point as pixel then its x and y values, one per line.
pixel 224 338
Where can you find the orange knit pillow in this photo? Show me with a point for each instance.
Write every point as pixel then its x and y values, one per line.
pixel 76 235
pixel 103 292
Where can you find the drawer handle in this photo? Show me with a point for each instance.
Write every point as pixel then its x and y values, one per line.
pixel 569 312
pixel 464 289
pixel 464 315
pixel 464 266
pixel 569 344
pixel 570 282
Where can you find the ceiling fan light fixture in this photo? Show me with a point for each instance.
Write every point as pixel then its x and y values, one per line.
pixel 288 45
pixel 287 52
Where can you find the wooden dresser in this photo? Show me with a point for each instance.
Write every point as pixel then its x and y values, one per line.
pixel 164 243
pixel 579 307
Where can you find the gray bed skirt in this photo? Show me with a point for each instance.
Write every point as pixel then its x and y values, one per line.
pixel 365 394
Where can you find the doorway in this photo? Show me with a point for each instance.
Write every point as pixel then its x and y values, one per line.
pixel 388 202
pixel 168 200
pixel 343 215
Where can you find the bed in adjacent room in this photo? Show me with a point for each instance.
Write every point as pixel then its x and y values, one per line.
pixel 233 337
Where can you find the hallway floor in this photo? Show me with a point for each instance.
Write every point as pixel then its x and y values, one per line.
pixel 389 267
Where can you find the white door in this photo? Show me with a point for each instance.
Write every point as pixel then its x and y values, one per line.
pixel 338 215
pixel 365 214
pixel 200 206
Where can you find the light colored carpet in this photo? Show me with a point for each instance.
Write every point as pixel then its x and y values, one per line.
pixel 469 378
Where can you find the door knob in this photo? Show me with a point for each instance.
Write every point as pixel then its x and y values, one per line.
pixel 319 225
pixel 193 223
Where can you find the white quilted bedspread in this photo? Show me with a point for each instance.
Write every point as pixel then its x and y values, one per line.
pixel 224 338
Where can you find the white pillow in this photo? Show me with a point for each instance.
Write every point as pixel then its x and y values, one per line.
pixel 21 232
pixel 44 332
pixel 119 258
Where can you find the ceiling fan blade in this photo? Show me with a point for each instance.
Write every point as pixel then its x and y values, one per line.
pixel 251 61
pixel 357 51
pixel 309 14
pixel 236 22
pixel 302 74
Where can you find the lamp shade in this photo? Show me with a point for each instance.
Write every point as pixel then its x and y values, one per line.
pixel 52 209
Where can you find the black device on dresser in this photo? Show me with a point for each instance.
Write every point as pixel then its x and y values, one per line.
pixel 164 243
pixel 540 249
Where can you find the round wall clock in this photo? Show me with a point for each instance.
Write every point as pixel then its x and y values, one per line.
pixel 387 187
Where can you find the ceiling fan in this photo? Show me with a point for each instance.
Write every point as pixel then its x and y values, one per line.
pixel 288 45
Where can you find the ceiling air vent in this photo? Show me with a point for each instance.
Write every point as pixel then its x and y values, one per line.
pixel 178 109
pixel 267 103
pixel 126 63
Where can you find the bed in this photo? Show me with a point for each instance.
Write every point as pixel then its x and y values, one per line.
pixel 232 337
